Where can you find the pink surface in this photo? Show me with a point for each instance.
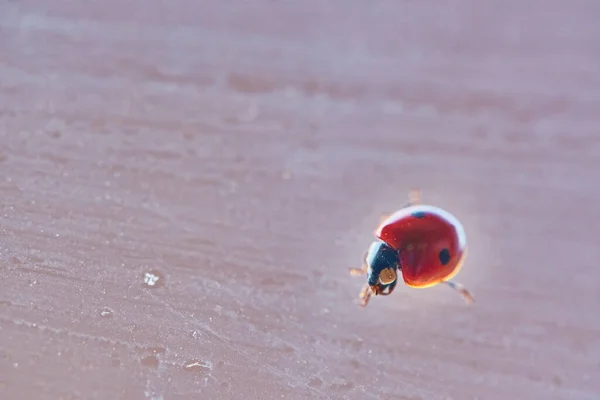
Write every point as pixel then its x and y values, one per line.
pixel 242 153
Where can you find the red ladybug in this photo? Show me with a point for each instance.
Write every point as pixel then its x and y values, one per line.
pixel 426 244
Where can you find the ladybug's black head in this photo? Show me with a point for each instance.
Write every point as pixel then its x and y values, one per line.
pixel 384 263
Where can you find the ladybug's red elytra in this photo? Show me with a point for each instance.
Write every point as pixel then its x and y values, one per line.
pixel 425 244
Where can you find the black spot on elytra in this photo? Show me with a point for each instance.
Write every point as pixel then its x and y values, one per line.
pixel 418 214
pixel 444 256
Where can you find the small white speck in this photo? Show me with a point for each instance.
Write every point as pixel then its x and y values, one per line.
pixel 106 312
pixel 150 279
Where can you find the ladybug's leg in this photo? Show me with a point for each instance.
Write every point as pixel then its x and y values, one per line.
pixel 362 270
pixel 365 295
pixel 469 298
pixel 414 198
pixel 359 271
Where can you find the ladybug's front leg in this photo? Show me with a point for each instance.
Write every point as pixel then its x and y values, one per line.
pixel 359 271
pixel 362 270
pixel 365 295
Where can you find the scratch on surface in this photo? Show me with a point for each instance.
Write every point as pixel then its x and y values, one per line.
pixel 149 392
pixel 68 332
pixel 79 335
pixel 227 343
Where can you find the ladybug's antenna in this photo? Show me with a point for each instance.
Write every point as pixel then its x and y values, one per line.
pixel 462 291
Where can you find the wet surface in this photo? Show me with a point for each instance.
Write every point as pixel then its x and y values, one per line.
pixel 184 188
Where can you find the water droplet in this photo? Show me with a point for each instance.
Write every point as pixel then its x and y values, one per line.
pixel 106 312
pixel 202 367
pixel 153 279
pixel 150 361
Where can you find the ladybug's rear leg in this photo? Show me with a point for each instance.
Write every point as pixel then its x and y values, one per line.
pixel 414 198
pixel 464 292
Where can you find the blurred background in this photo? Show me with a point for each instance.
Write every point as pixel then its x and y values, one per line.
pixel 184 186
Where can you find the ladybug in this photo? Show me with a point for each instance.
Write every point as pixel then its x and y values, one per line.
pixel 425 244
